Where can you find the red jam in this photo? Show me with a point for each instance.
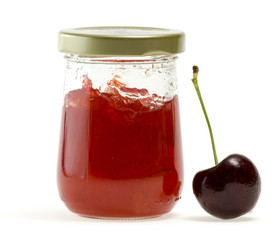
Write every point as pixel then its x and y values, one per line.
pixel 120 152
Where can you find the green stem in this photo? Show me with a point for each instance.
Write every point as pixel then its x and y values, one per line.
pixel 195 83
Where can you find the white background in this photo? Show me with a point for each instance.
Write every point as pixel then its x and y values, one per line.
pixel 236 44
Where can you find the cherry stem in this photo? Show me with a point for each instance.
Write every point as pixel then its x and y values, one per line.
pixel 195 83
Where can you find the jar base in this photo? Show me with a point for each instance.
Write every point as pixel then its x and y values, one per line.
pixel 102 212
pixel 121 218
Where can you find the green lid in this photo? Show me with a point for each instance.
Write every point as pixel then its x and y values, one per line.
pixel 121 41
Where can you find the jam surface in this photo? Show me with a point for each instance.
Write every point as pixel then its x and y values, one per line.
pixel 120 152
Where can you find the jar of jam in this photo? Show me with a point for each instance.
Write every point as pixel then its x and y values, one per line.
pixel 120 153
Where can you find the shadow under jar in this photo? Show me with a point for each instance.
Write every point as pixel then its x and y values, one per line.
pixel 120 153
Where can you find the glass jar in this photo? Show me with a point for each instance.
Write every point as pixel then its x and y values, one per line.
pixel 120 152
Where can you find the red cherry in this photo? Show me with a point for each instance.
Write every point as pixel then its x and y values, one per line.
pixel 230 189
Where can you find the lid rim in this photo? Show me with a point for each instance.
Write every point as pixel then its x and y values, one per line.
pixel 159 41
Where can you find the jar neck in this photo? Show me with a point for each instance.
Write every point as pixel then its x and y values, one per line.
pixel 156 74
pixel 122 60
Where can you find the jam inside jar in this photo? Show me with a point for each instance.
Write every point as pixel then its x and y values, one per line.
pixel 120 153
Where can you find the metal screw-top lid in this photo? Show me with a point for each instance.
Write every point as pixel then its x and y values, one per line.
pixel 121 41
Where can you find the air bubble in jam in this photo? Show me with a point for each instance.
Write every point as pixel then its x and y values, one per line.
pixel 120 151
